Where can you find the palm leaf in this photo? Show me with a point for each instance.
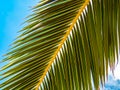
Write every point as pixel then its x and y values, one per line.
pixel 66 45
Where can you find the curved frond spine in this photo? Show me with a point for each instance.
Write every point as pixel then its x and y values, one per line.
pixel 62 42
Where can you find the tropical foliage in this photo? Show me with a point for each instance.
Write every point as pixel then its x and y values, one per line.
pixel 67 45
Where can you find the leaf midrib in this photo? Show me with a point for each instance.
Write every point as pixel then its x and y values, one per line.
pixel 62 42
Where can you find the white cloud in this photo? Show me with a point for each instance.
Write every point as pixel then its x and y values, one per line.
pixel 117 71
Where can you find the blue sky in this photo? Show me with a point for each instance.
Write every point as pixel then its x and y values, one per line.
pixel 112 84
pixel 12 15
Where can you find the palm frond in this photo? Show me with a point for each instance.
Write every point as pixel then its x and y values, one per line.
pixel 67 45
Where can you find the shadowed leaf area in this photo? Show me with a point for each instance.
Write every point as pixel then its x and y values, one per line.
pixel 67 45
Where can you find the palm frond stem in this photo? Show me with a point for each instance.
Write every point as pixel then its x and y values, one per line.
pixel 62 42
